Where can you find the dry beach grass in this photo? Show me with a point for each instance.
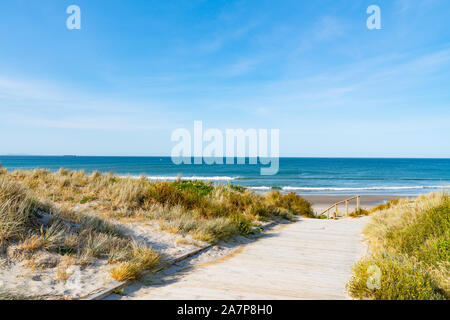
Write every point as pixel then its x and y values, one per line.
pixel 208 212
pixel 409 242
pixel 30 228
pixel 68 218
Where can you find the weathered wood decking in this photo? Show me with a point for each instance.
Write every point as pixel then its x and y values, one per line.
pixel 310 259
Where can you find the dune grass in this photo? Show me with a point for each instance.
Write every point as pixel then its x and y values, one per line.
pixel 67 213
pixel 142 258
pixel 359 213
pixel 208 212
pixel 409 243
pixel 389 204
pixel 32 226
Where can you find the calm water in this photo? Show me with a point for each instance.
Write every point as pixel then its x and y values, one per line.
pixel 302 175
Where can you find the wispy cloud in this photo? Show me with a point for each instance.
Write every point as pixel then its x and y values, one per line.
pixel 37 104
pixel 327 28
pixel 403 6
pixel 220 40
pixel 350 85
pixel 114 124
pixel 25 89
pixel 239 68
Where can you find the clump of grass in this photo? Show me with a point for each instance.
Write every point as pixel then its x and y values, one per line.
pixel 125 271
pixel 409 243
pixel 290 203
pixel 63 267
pixel 236 187
pixel 31 244
pixel 16 210
pixel 359 213
pixel 88 199
pixel 196 187
pixel 142 258
pixel 386 205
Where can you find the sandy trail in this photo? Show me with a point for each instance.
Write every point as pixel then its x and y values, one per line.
pixel 310 259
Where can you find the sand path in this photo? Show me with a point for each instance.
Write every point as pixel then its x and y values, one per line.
pixel 310 259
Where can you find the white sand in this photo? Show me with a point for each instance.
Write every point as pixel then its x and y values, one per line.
pixel 17 277
pixel 20 279
pixel 167 244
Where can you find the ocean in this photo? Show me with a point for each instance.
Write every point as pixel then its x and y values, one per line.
pixel 307 176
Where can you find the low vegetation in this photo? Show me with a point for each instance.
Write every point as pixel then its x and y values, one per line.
pixel 142 258
pixel 389 204
pixel 68 214
pixel 354 214
pixel 359 213
pixel 206 211
pixel 410 249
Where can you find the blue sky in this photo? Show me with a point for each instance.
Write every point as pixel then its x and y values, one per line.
pixel 137 70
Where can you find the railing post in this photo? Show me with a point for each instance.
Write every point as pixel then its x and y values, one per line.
pixel 335 213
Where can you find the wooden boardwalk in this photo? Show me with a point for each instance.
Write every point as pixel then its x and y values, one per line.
pixel 310 259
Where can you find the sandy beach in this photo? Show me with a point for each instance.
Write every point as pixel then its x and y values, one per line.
pixel 323 202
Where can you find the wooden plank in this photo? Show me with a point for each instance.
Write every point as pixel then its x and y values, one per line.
pixel 310 259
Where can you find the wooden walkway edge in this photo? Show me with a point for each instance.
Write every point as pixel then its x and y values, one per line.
pixel 310 259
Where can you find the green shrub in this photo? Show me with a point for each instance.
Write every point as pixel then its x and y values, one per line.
pixel 244 225
pixel 197 187
pixel 443 248
pixel 409 242
pixel 291 202
pixel 88 199
pixel 399 280
pixel 236 187
pixel 426 237
pixel 359 213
